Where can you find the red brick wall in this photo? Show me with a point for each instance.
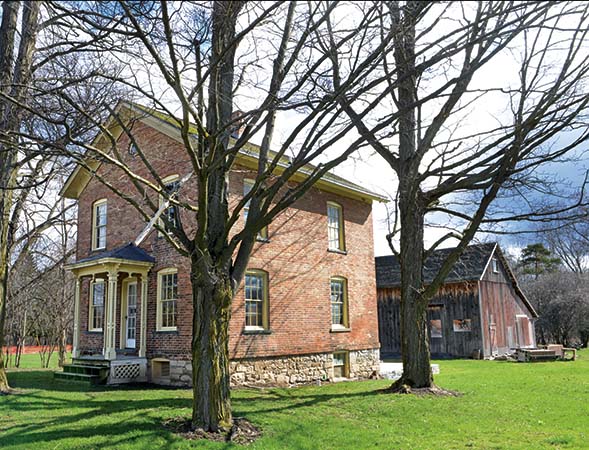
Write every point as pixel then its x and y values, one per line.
pixel 296 259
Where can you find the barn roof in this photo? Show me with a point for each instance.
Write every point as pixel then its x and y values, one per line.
pixel 470 266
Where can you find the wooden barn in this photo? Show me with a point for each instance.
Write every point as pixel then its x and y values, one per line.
pixel 480 310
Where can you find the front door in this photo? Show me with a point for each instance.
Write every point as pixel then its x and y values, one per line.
pixel 131 322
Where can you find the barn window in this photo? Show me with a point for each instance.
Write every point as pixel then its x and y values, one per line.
pixel 462 325
pixel 495 263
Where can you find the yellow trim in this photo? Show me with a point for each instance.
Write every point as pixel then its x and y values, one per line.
pixel 160 274
pixel 91 311
pixel 341 231
pixel 95 205
pixel 265 300
pixel 345 305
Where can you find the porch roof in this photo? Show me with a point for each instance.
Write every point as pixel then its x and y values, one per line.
pixel 128 257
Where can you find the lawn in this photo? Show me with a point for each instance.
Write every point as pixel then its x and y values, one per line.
pixel 505 405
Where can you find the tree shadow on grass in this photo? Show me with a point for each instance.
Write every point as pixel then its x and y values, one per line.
pixel 43 414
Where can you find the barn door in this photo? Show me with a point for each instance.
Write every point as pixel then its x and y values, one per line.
pixel 437 341
pixel 523 331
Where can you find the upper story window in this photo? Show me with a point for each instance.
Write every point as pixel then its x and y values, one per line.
pixel 167 300
pixel 248 185
pixel 96 310
pixel 171 185
pixel 99 224
pixel 256 300
pixel 335 227
pixel 339 302
pixel 495 264
pixel 133 150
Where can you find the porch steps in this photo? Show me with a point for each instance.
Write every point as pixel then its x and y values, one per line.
pixel 86 370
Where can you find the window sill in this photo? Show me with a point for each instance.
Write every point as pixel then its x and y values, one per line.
pixel 340 329
pixel 174 331
pixel 95 250
pixel 335 250
pixel 251 331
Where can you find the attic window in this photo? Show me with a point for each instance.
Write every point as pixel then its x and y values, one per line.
pixel 495 265
pixel 133 150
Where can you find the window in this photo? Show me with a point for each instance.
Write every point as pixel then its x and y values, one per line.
pixel 335 227
pixel 171 185
pixel 256 300
pixel 96 311
pixel 340 365
pixel 495 263
pixel 339 302
pixel 99 225
pixel 133 150
pixel 247 187
pixel 167 298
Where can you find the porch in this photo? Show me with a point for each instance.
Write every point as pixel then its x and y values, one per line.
pixel 118 283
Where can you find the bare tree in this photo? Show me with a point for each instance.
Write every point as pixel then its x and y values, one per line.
pixel 197 63
pixel 476 174
pixel 15 74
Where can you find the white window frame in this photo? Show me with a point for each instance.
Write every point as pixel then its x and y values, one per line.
pixel 92 308
pixel 495 264
pixel 340 245
pixel 159 310
pixel 344 303
pixel 95 227
pixel 264 304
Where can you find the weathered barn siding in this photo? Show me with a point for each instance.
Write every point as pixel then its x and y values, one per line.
pixel 507 322
pixel 457 301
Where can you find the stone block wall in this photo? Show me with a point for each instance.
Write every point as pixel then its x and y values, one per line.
pixel 281 371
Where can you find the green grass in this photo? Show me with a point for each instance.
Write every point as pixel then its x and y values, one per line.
pixel 33 361
pixel 504 406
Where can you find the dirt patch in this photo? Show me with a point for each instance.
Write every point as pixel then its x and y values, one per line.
pixel 241 432
pixel 406 389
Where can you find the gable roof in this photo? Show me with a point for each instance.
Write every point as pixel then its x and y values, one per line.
pixel 471 266
pixel 247 155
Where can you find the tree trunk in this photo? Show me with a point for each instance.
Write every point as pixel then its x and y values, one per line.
pixel 415 350
pixel 417 371
pixel 211 296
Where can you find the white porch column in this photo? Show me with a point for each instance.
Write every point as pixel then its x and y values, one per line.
pixel 76 339
pixel 143 332
pixel 109 337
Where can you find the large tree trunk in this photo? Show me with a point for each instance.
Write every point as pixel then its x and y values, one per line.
pixel 212 295
pixel 415 350
pixel 414 334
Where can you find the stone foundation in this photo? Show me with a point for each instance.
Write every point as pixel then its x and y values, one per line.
pixel 280 371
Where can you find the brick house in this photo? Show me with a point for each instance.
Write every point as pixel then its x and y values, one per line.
pixel 479 310
pixel 307 312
